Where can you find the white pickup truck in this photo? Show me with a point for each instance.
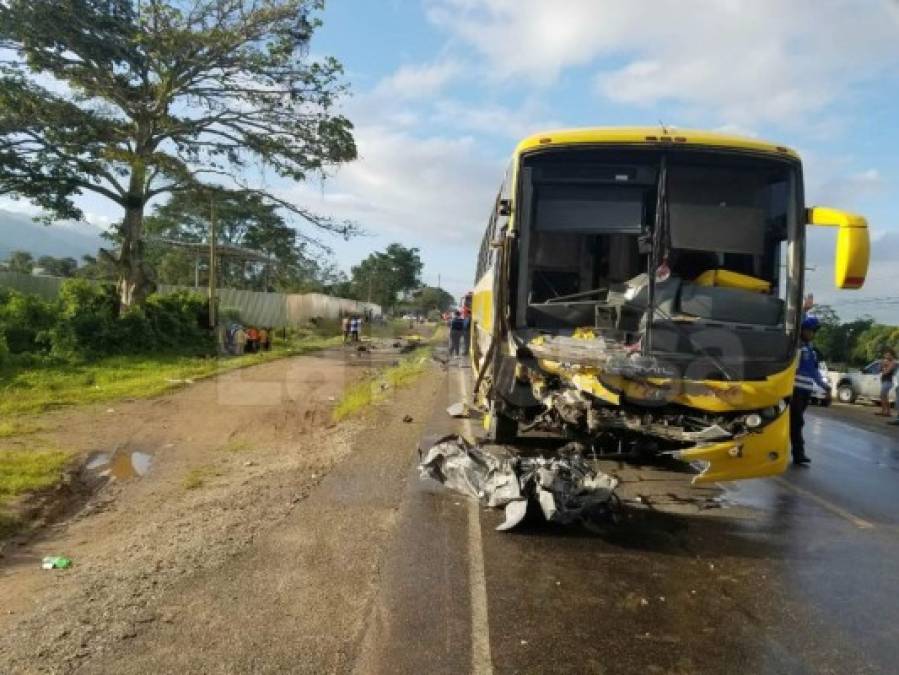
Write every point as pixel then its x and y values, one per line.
pixel 863 384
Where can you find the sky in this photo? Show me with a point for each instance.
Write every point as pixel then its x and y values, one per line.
pixel 442 90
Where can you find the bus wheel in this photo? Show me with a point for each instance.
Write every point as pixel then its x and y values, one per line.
pixel 502 429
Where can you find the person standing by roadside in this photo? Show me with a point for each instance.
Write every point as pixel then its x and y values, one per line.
pixel 265 339
pixel 345 326
pixel 457 330
pixel 252 340
pixel 466 316
pixel 887 380
pixel 807 376
pixel 240 340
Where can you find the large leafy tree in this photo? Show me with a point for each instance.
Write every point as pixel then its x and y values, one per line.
pixel 58 267
pixel 385 274
pixel 242 219
pixel 134 99
pixel 432 298
pixel 21 262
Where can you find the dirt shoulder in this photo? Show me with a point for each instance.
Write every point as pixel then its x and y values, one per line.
pixel 250 494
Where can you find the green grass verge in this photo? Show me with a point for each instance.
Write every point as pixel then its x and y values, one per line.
pixel 29 470
pixel 369 391
pixel 53 385
pixel 18 428
pixel 23 471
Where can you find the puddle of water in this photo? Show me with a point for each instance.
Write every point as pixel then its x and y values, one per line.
pixel 121 464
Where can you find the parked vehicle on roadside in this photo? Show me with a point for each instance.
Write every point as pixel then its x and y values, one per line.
pixel 860 385
pixel 823 397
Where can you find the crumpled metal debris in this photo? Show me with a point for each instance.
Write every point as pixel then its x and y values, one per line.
pixel 459 409
pixel 565 487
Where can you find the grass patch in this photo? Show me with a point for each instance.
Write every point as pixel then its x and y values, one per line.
pixel 394 328
pixel 18 428
pixel 236 446
pixel 199 477
pixel 369 391
pixel 45 386
pixel 29 470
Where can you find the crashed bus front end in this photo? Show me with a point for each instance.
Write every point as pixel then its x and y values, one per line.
pixel 642 296
pixel 627 407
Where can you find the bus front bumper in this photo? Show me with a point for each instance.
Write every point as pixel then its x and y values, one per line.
pixel 754 455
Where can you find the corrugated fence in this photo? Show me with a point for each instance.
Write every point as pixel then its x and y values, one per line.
pixel 261 309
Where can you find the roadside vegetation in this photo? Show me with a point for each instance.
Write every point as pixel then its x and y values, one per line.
pixel 13 428
pixel 200 477
pixel 852 343
pixel 26 470
pixel 372 390
pixel 77 350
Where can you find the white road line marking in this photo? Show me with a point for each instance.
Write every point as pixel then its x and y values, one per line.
pixel 860 523
pixel 481 661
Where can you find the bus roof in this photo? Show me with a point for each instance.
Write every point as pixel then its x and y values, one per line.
pixel 651 136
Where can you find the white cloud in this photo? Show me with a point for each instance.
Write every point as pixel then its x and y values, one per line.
pixel 847 190
pixel 492 119
pixel 747 61
pixel 419 81
pixel 436 189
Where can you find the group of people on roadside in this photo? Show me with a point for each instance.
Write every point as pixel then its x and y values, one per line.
pixel 248 339
pixel 351 327
pixel 459 324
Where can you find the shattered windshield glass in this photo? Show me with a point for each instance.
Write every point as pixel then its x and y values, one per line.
pixel 593 226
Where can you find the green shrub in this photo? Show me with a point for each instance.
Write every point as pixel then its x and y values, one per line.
pixel 4 349
pixel 24 320
pixel 178 320
pixel 85 323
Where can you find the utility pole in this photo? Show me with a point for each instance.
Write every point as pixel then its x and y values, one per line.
pixel 212 236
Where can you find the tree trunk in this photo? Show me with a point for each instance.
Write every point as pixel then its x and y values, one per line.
pixel 135 276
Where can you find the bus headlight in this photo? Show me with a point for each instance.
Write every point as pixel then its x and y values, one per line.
pixel 753 421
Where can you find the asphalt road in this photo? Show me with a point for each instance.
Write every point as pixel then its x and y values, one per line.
pixel 796 574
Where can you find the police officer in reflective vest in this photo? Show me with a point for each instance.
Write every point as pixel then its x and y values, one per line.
pixel 807 376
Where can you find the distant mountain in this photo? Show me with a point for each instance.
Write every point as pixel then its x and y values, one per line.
pixel 19 233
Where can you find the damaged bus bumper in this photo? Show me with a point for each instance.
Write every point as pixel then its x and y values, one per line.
pixel 730 430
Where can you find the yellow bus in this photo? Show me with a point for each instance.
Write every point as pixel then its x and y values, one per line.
pixel 641 289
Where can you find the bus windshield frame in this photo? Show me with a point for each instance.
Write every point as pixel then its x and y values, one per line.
pixel 587 230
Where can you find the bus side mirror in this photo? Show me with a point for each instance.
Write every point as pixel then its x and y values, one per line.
pixel 853 250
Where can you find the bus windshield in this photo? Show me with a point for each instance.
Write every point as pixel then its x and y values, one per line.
pixel 589 232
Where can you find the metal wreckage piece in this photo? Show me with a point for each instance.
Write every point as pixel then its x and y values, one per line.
pixel 565 487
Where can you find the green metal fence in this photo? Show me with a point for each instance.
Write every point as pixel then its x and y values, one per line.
pixel 260 309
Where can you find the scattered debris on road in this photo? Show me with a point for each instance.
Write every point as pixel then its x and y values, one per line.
pixel 459 410
pixel 407 419
pixel 56 562
pixel 565 487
